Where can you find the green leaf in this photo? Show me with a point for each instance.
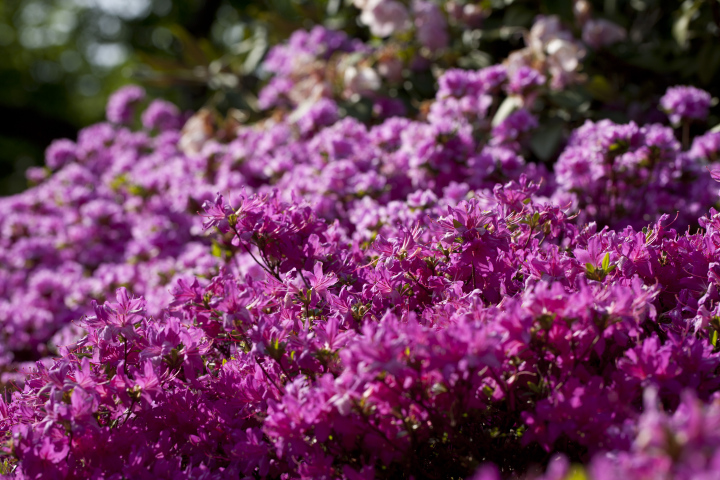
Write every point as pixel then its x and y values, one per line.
pixel 708 62
pixel 576 473
pixel 518 15
pixel 192 53
pixel 546 139
pixel 681 27
pixel 569 99
pixel 618 147
pixel 216 250
pixel 260 46
pixel 160 64
pixel 423 83
pixel 590 267
pixel 457 224
pixel 534 387
pixel 561 8
pixel 600 89
pixel 606 262
pixel 508 106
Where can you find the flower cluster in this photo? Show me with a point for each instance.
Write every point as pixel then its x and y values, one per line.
pixel 325 64
pixel 314 296
pixel 626 174
pixel 103 219
pixel 684 103
pixel 496 331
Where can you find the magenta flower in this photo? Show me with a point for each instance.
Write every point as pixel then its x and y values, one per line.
pixel 320 281
pixel 216 214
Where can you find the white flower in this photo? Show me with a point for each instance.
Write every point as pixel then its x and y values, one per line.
pixel 361 80
pixel 565 54
pixel 384 17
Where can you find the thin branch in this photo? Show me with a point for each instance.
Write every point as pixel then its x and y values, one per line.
pixel 268 376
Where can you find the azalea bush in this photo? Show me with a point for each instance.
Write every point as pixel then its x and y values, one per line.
pixel 359 284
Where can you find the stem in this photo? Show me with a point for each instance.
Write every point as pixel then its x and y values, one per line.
pixel 527 242
pixel 287 374
pixel 261 264
pixel 264 259
pixel 613 190
pixel 473 272
pixel 307 284
pixel 376 429
pixel 505 388
pixel 126 352
pixel 414 278
pixel 268 376
pixel 128 413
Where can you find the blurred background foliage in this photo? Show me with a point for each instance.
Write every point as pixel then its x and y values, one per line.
pixel 59 60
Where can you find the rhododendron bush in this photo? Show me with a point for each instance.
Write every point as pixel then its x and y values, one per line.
pixel 414 293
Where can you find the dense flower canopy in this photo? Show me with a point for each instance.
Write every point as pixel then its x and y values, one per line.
pixel 316 296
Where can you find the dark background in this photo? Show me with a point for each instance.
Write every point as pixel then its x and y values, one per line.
pixel 59 60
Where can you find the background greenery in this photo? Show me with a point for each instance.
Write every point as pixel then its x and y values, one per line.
pixel 59 60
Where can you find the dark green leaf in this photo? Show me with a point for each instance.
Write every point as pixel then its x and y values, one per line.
pixel 546 139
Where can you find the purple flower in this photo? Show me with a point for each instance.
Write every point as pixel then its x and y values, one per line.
pixel 706 147
pixel 216 213
pixel 385 107
pixel 685 103
pixel 430 25
pixel 402 297
pixel 511 128
pixel 319 281
pixel 60 153
pixel 121 104
pixel 524 79
pixel 322 113
pixel 161 115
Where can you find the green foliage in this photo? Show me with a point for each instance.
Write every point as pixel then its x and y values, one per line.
pixel 600 272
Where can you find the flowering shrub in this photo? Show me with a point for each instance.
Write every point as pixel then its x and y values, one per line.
pixel 321 296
